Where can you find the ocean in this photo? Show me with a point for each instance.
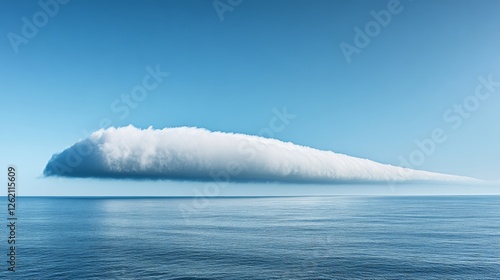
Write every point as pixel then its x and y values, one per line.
pixel 331 237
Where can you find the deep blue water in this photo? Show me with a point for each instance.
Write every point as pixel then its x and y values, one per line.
pixel 336 237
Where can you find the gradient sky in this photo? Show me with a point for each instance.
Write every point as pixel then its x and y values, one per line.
pixel 228 75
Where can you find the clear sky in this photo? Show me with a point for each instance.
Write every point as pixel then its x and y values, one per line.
pixel 68 69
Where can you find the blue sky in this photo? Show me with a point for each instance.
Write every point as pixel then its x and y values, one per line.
pixel 229 75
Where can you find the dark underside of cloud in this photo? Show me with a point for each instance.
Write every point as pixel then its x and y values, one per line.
pixel 194 154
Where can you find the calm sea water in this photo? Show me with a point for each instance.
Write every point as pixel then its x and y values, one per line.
pixel 339 237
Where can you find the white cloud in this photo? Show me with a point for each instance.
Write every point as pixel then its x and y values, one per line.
pixel 187 153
